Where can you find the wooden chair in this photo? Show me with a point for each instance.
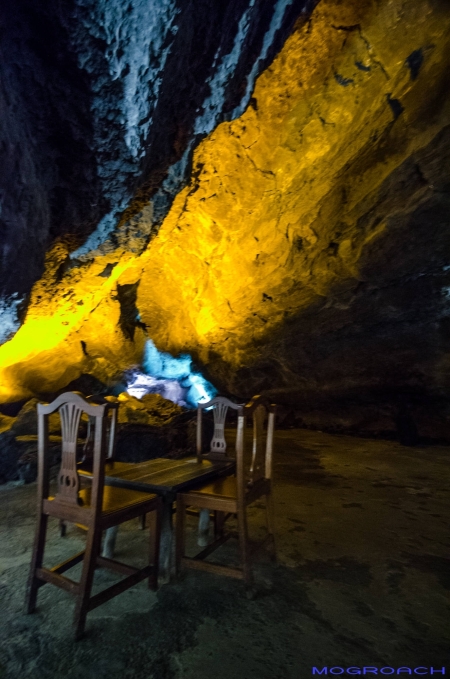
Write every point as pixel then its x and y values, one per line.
pixel 88 447
pixel 217 450
pixel 232 495
pixel 98 507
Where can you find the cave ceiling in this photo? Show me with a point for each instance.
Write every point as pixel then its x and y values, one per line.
pixel 281 212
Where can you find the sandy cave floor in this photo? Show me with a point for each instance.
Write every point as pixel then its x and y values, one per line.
pixel 363 579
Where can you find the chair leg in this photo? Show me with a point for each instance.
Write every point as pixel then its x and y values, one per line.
pixel 62 528
pixel 245 547
pixel 180 533
pixel 142 521
pixel 270 513
pixel 155 536
pixel 36 562
pixel 89 562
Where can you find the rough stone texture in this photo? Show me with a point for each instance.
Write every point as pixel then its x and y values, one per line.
pixel 153 427
pixel 138 442
pixel 99 99
pixel 152 409
pixel 316 235
pixel 147 428
pixel 307 257
pixel 9 456
pixel 5 423
pixel 363 580
pixel 25 424
pixel 49 184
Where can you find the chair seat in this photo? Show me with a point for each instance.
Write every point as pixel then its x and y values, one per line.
pixel 115 499
pixel 225 487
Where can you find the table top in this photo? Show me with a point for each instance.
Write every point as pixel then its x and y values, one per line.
pixel 165 476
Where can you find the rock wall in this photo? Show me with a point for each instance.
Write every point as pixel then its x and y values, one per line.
pixel 102 102
pixel 310 258
pixel 308 255
pixel 48 184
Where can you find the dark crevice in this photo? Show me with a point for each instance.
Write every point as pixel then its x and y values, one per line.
pixel 129 314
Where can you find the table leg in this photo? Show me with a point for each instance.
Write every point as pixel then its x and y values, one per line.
pixel 203 528
pixel 166 553
pixel 109 543
pixel 166 550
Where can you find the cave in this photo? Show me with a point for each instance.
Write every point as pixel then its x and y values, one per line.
pixel 236 198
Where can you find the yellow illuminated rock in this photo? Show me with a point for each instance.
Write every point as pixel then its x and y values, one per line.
pixel 271 221
pixel 269 224
pixel 152 409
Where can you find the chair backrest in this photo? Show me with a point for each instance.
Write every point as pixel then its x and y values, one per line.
pixel 219 406
pixel 71 406
pixel 111 429
pixel 262 414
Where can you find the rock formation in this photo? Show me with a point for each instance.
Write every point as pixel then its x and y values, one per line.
pixel 102 103
pixel 308 254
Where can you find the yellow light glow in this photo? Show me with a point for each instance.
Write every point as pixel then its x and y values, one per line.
pixel 271 223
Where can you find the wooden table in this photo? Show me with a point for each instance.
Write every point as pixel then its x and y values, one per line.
pixel 165 478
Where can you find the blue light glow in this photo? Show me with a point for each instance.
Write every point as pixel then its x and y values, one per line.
pixel 171 377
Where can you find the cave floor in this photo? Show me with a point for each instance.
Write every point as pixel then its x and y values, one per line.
pixel 363 579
